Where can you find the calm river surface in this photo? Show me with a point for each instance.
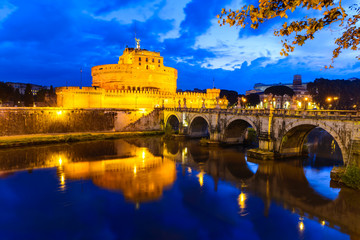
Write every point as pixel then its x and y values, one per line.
pixel 145 188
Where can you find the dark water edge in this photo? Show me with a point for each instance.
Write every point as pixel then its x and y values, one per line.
pixel 143 188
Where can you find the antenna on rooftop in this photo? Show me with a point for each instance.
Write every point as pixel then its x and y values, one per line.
pixel 80 77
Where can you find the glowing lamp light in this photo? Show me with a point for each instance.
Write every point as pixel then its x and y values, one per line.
pixel 328 99
pixel 59 113
pixel 134 170
pixel 306 99
pixel 142 110
pixel 323 223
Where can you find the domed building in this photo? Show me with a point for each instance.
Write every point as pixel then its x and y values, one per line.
pixel 138 80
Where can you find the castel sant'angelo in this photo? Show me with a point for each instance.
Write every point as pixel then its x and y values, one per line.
pixel 138 80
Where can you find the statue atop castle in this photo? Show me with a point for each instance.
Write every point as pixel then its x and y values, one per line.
pixel 137 43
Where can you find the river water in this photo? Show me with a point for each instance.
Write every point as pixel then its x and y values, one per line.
pixel 145 188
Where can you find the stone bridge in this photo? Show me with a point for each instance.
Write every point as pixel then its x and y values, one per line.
pixel 281 132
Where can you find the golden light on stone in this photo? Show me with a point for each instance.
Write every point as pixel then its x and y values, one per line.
pixel 59 112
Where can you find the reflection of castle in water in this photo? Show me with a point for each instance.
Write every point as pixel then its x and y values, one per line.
pixel 113 165
pixel 140 178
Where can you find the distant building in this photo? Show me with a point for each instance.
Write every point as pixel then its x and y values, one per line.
pixel 301 99
pixel 22 86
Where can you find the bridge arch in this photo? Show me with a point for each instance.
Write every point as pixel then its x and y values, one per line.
pixel 199 127
pixel 235 130
pixel 292 141
pixel 173 121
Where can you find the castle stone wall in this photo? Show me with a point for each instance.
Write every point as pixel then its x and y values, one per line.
pixel 20 121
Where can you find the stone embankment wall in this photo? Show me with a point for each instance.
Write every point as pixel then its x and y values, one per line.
pixel 19 121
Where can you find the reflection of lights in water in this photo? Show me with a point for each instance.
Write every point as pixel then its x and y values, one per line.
pixel 137 206
pixel 201 178
pixel 134 170
pixel 241 200
pixel 301 226
pixel 185 150
pixel 184 155
pixel 323 223
pixel 62 181
pixel 189 170
pixel 60 161
pixel 143 154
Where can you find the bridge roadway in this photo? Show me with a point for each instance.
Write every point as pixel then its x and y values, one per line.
pixel 281 132
pixel 283 183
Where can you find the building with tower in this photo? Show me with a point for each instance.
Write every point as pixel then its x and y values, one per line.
pixel 138 80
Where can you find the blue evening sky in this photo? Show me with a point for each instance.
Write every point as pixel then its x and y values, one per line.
pixel 47 42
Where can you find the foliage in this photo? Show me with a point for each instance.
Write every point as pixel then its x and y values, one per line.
pixel 351 176
pixel 252 138
pixel 204 141
pixel 280 91
pixel 28 97
pixel 168 132
pixel 253 99
pixel 335 94
pixel 6 92
pixel 297 32
pixel 231 96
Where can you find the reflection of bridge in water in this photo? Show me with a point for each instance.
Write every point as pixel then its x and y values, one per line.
pixel 282 182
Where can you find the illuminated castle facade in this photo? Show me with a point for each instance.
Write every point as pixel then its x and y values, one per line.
pixel 138 80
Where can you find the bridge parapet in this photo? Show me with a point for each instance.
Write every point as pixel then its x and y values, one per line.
pixel 326 114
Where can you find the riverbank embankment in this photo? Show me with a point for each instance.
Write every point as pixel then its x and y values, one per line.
pixel 38 139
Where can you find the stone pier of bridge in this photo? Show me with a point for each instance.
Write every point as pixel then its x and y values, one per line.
pixel 281 133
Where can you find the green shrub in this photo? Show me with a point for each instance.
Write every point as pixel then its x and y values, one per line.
pixel 168 132
pixel 351 176
pixel 203 141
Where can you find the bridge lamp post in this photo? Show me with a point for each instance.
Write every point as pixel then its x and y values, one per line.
pixel 244 101
pixel 306 102
pixel 329 99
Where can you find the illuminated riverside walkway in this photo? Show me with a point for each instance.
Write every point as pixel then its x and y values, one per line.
pixel 284 183
pixel 281 132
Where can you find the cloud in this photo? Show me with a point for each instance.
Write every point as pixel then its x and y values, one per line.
pixel 126 15
pixel 173 11
pixel 6 9
pixel 231 51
